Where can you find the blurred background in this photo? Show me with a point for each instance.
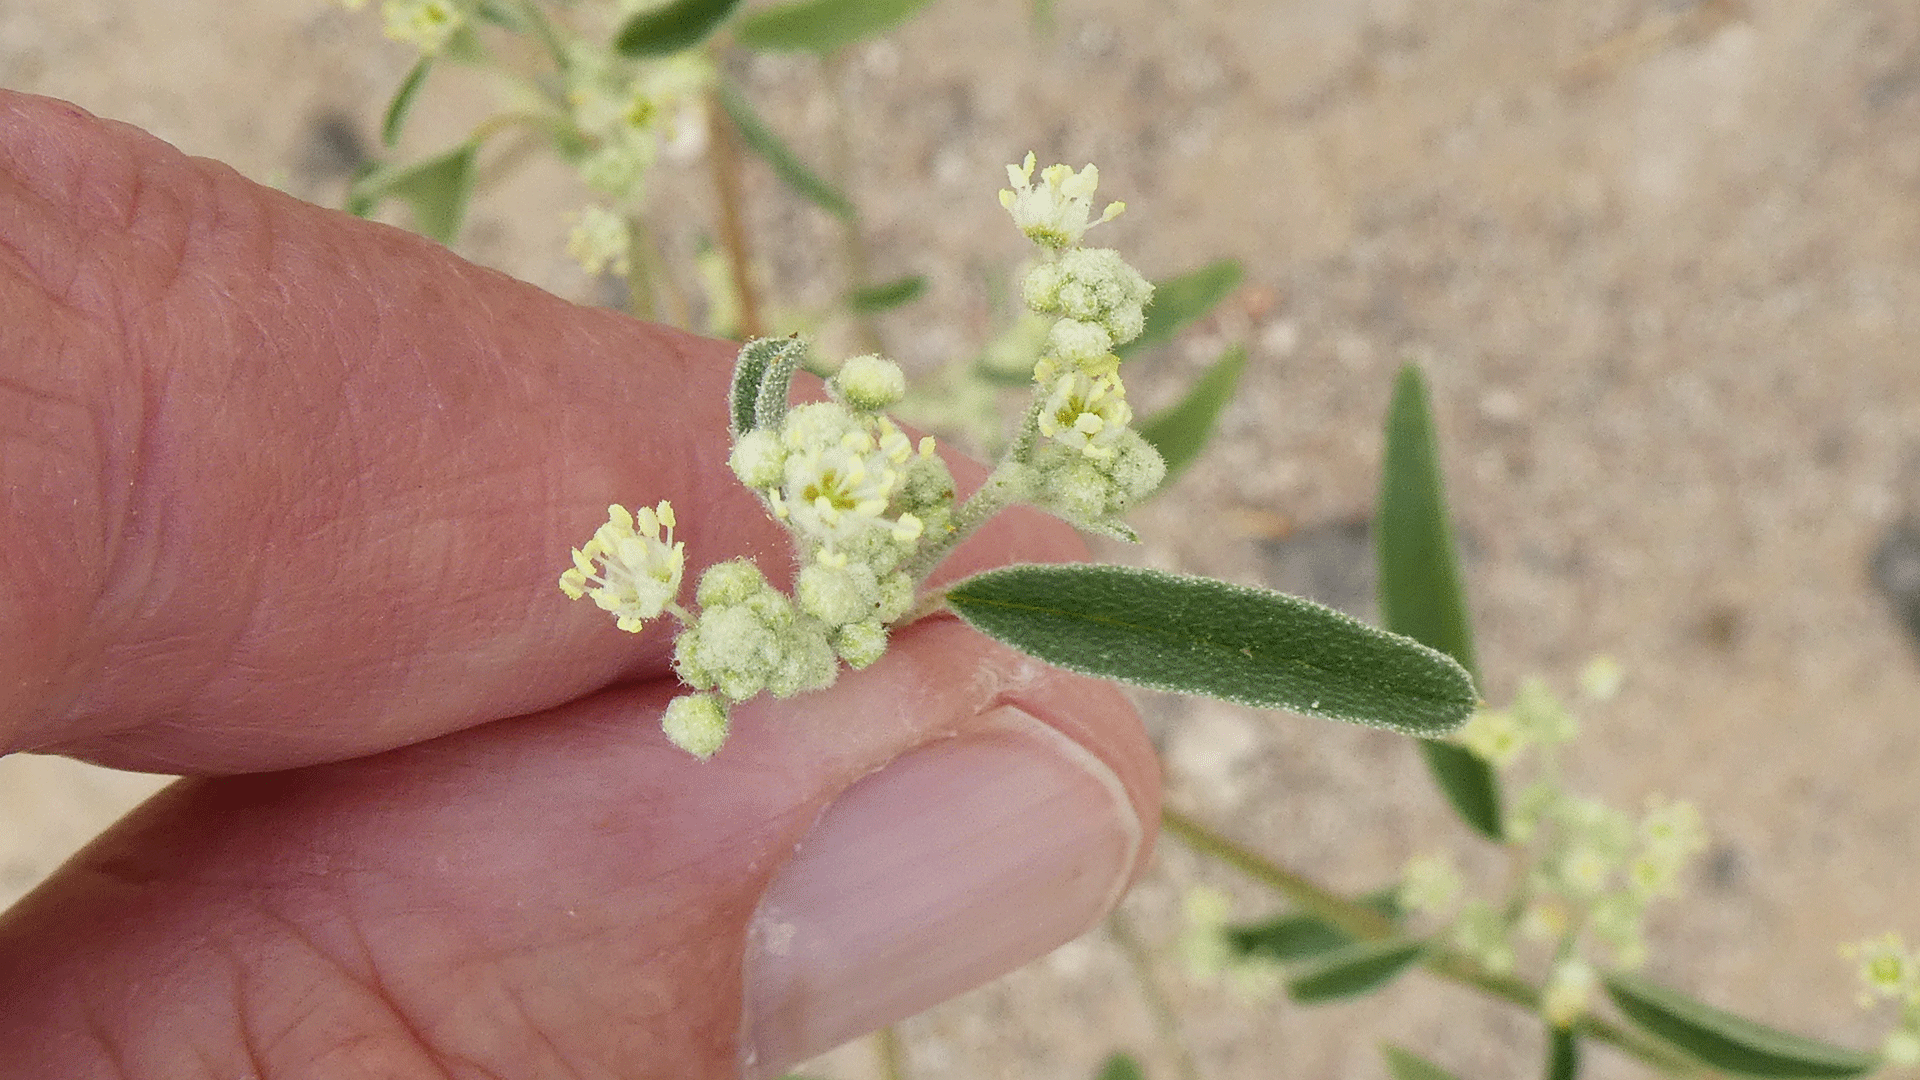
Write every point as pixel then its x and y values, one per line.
pixel 1661 261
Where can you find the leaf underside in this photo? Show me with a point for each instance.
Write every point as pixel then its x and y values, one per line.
pixel 1200 636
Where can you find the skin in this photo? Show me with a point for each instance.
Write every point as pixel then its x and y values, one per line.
pixel 283 499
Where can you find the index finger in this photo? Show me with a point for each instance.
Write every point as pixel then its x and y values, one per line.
pixel 280 486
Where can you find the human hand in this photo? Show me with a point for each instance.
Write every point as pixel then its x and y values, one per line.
pixel 283 495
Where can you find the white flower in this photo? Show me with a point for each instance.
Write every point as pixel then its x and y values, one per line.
pixel 630 567
pixel 1056 214
pixel 427 25
pixel 1086 414
pixel 1888 969
pixel 1670 835
pixel 841 472
pixel 1569 986
pixel 600 241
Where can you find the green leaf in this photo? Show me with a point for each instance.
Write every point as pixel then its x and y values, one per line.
pixel 1288 939
pixel 436 189
pixel 1200 636
pixel 1181 300
pixel 875 299
pixel 1728 1042
pixel 402 103
pixel 1120 1067
pixel 822 25
pixel 502 15
pixel 1563 1054
pixel 1405 1065
pixel 762 382
pixel 674 28
pixel 1356 969
pixel 1180 431
pixel 756 136
pixel 1420 591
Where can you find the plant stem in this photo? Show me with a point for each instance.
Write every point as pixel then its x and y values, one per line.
pixel 891 1052
pixel 1002 487
pixel 724 155
pixel 1120 928
pixel 1364 922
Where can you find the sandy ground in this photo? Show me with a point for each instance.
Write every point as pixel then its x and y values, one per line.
pixel 1660 260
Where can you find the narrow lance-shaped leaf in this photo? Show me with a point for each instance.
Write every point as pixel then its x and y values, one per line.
pixel 674 28
pixel 1563 1054
pixel 1200 636
pixel 762 380
pixel 402 103
pixel 1296 937
pixel 1406 1065
pixel 436 189
pixel 1728 1042
pixel 1120 1067
pixel 1354 970
pixel 1181 430
pixel 757 137
pixel 1181 300
pixel 822 25
pixel 1420 588
pixel 875 299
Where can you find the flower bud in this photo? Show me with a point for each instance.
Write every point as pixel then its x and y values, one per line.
pixel 868 383
pixel 696 723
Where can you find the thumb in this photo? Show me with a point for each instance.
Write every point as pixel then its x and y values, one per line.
pixel 567 894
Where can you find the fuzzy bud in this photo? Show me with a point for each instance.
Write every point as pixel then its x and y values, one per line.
pixel 868 383
pixel 696 723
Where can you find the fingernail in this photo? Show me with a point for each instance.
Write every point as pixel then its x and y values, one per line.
pixel 957 862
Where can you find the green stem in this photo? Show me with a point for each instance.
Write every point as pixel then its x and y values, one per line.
pixel 853 245
pixel 892 1053
pixel 550 37
pixel 1003 486
pixel 1120 928
pixel 1364 922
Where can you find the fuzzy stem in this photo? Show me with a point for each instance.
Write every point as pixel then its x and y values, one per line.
pixel 892 1053
pixel 1364 922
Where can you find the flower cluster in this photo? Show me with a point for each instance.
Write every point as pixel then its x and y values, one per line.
pixel 427 25
pixel 1090 465
pixel 1890 971
pixel 622 111
pixel 631 567
pixel 601 242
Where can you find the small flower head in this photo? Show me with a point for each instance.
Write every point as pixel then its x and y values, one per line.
pixel 600 241
pixel 1600 680
pixel 696 723
pixel 861 643
pixel 841 475
pixel 427 25
pixel 759 459
pixel 1569 988
pixel 1429 884
pixel 868 383
pixel 1888 969
pixel 1086 414
pixel 632 566
pixel 1482 933
pixel 1057 213
pixel 1494 737
pixel 1670 835
pixel 1094 286
pixel 758 642
pixel 1901 1049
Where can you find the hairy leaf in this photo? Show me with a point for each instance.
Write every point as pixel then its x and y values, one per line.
pixel 1288 939
pixel 822 25
pixel 1420 589
pixel 757 137
pixel 674 28
pixel 1181 300
pixel 1728 1042
pixel 402 103
pixel 1200 636
pixel 1405 1065
pixel 875 299
pixel 1354 970
pixel 1181 430
pixel 762 381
